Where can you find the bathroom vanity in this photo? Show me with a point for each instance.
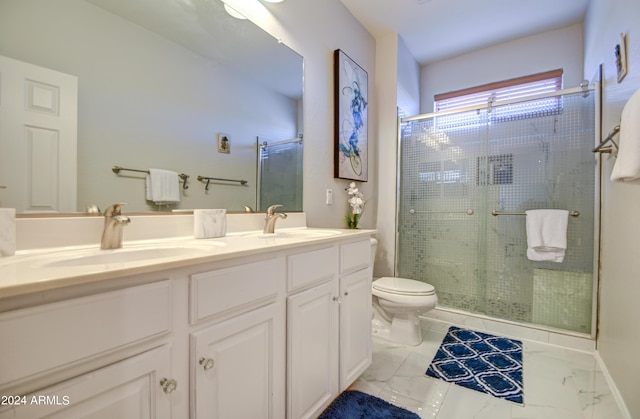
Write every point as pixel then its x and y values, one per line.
pixel 244 326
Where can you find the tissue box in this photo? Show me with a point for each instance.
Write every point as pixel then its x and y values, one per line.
pixel 208 223
pixel 7 232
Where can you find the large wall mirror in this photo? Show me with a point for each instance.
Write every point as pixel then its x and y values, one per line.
pixel 178 85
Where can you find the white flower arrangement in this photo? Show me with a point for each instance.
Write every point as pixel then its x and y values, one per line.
pixel 357 202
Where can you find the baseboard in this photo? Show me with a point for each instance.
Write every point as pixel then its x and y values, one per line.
pixel 576 341
pixel 614 389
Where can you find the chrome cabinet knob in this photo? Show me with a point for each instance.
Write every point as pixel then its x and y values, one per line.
pixel 169 385
pixel 207 363
pixel 337 299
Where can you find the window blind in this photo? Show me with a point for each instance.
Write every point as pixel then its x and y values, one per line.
pixel 518 88
pixel 546 82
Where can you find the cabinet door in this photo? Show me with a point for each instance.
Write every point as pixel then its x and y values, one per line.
pixel 355 326
pixel 127 389
pixel 237 367
pixel 312 343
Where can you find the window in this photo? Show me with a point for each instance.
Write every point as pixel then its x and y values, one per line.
pixel 521 87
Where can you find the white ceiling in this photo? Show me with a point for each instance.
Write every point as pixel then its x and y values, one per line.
pixel 437 29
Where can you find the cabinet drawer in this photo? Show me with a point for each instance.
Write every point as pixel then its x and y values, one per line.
pixel 305 269
pixel 233 289
pixel 48 337
pixel 354 256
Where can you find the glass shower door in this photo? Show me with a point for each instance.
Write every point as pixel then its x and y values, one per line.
pixel 549 164
pixel 457 169
pixel 441 206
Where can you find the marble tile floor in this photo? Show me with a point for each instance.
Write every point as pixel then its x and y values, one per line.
pixel 558 383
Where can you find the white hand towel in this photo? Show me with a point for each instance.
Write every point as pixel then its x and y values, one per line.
pixel 7 232
pixel 163 186
pixel 547 234
pixel 209 223
pixel 627 165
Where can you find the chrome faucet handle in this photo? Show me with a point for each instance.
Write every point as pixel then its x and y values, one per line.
pixel 113 210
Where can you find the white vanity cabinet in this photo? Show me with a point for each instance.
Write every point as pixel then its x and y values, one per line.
pixel 274 334
pixel 328 324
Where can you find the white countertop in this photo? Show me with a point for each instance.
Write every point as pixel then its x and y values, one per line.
pixel 36 270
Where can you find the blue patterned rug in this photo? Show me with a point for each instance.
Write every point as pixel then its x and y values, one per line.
pixel 352 404
pixel 481 362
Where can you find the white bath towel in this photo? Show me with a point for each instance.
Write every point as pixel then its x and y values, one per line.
pixel 547 234
pixel 627 165
pixel 163 186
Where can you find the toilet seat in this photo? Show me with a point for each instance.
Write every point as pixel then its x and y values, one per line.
pixel 403 286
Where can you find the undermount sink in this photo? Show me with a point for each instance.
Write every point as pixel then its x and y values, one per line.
pixel 128 255
pixel 290 234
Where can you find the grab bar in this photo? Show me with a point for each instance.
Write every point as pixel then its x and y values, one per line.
pixel 468 212
pixel 117 169
pixel 495 213
pixel 209 179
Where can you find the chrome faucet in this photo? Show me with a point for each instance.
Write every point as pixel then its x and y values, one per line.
pixel 114 221
pixel 271 218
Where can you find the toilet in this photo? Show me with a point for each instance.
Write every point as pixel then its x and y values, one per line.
pixel 397 303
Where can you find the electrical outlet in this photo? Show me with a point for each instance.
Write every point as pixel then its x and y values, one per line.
pixel 329 196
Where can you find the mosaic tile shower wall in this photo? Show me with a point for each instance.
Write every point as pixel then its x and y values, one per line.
pixel 456 169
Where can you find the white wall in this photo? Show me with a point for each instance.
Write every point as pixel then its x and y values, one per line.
pixel 387 121
pixel 619 335
pixel 561 48
pixel 398 85
pixel 147 102
pixel 408 81
pixel 315 29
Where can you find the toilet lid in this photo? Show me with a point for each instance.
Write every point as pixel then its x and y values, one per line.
pixel 403 286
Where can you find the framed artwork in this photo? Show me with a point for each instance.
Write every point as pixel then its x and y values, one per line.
pixel 224 143
pixel 350 97
pixel 621 57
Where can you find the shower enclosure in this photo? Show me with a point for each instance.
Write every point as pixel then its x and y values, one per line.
pixel 465 180
pixel 279 174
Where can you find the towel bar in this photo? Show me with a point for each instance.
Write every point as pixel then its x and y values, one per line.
pixel 495 213
pixel 209 179
pixel 468 212
pixel 184 177
pixel 602 147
